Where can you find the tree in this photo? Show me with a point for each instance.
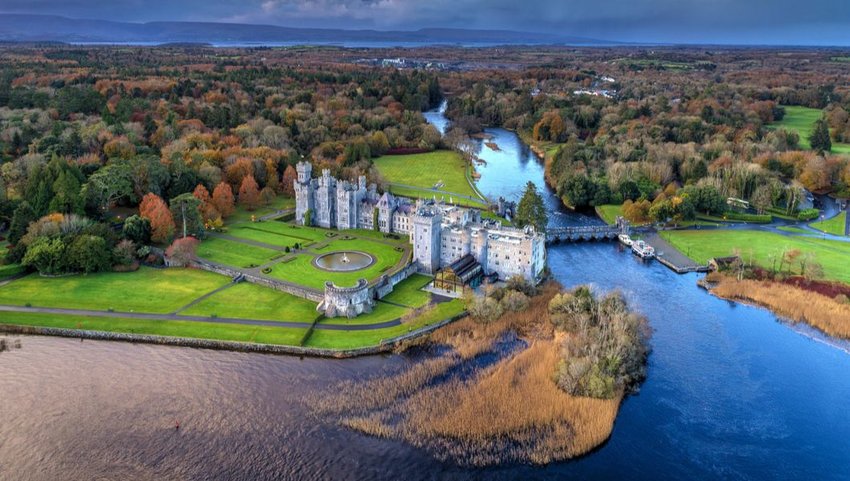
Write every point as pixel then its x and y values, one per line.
pixel 819 138
pixel 249 193
pixel 155 210
pixel 46 255
pixel 531 210
pixel 107 186
pixel 186 212
pixel 137 229
pixel 89 253
pixel 762 198
pixel 208 210
pixel 66 197
pixel 182 251
pixel 21 219
pixel 289 177
pixel 222 199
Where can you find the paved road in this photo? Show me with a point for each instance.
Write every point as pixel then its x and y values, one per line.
pixel 218 320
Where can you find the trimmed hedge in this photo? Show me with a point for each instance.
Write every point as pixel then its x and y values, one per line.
pixel 754 218
pixel 808 214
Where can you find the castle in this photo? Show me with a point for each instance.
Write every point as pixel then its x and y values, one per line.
pixel 441 234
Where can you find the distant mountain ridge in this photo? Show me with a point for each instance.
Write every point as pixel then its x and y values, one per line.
pixel 53 28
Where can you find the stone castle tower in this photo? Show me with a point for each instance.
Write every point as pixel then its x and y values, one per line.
pixel 426 239
pixel 304 188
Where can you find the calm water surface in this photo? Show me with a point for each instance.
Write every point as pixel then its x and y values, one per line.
pixel 732 393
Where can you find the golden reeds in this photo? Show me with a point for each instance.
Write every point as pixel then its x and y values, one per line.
pixel 819 311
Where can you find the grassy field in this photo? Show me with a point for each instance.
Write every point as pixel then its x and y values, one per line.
pixel 251 301
pixel 762 247
pixel 802 120
pixel 235 254
pixel 300 270
pixel 192 329
pixel 433 172
pixel 353 339
pixel 409 293
pixel 156 291
pixel 834 226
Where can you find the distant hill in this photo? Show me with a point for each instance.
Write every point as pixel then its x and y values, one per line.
pixel 51 28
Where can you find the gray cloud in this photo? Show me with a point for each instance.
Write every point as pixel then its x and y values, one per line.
pixel 721 21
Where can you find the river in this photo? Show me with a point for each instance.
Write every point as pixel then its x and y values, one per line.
pixel 732 393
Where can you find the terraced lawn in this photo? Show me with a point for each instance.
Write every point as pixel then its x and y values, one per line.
pixel 763 247
pixel 252 301
pixel 300 270
pixel 235 254
pixel 242 215
pixel 156 291
pixel 409 292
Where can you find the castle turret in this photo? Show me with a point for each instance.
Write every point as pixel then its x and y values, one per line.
pixel 304 194
pixel 427 225
pixel 305 172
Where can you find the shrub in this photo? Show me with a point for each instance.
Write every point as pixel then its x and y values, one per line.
pixel 485 309
pixel 808 214
pixel 182 251
pixel 514 301
pixel 755 218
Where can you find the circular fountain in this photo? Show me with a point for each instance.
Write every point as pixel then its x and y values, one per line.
pixel 343 261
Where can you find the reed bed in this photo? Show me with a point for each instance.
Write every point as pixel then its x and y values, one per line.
pixel 510 410
pixel 824 313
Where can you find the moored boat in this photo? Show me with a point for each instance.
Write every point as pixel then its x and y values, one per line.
pixel 643 250
pixel 625 240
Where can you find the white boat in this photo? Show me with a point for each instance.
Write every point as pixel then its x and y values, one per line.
pixel 643 250
pixel 625 240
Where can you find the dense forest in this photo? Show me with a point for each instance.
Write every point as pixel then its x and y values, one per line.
pixel 674 132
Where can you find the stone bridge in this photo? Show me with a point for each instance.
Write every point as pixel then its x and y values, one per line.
pixel 587 232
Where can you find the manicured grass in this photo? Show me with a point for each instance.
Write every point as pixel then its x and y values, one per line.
pixel 609 212
pixel 10 270
pixel 301 271
pixel 251 301
pixel 146 290
pixel 795 230
pixel 430 194
pixel 762 247
pixel 426 171
pixel 409 292
pixel 192 329
pixel 235 254
pixel 834 226
pixel 259 232
pixel 352 339
pixel 802 120
pixel 242 215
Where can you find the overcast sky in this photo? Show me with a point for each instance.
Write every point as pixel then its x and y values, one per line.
pixel 678 21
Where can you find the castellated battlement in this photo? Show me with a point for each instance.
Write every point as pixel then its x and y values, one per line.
pixel 346 301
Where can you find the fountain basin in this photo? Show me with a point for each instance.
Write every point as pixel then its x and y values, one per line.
pixel 343 261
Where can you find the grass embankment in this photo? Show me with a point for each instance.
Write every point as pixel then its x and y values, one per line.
pixel 824 313
pixel 802 120
pixel 439 173
pixel 235 254
pixel 278 203
pixel 763 248
pixel 460 407
pixel 609 212
pixel 156 291
pixel 251 301
pixel 834 226
pixel 188 329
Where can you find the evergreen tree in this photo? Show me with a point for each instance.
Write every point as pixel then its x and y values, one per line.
pixel 21 219
pixel 67 198
pixel 531 210
pixel 186 212
pixel 819 139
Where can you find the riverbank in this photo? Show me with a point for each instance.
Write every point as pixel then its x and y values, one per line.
pixel 829 315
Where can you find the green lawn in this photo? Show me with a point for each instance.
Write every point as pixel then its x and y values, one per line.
pixel 146 290
pixel 300 270
pixel 427 171
pixel 260 232
pixel 192 329
pixel 235 254
pixel 609 212
pixel 834 226
pixel 252 301
pixel 242 215
pixel 353 339
pixel 802 120
pixel 763 247
pixel 409 292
